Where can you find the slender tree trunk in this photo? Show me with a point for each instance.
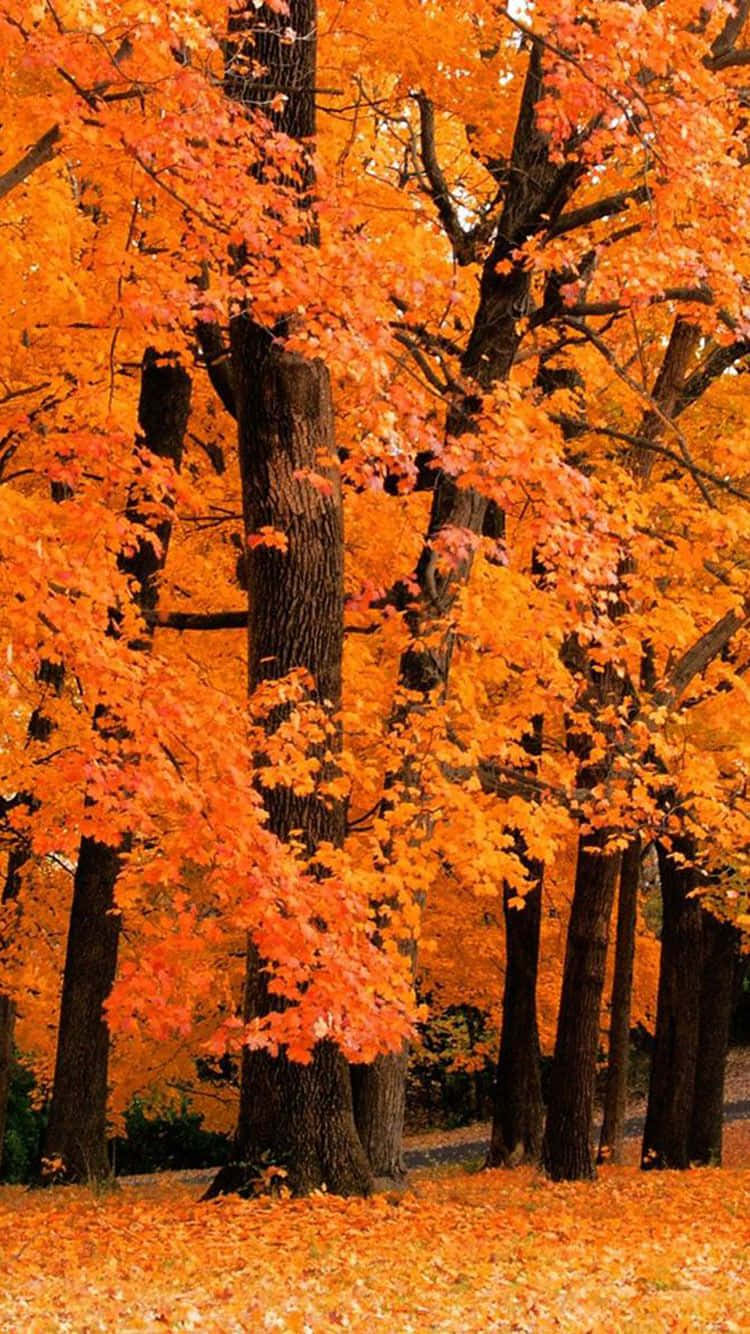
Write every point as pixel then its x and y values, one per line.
pixel 77 1127
pixel 41 726
pixel 17 858
pixel 616 1095
pixel 518 1115
pixel 7 1025
pixel 720 954
pixel 567 1144
pixel 673 1069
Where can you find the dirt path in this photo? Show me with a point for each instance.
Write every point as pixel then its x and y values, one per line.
pixel 470 1143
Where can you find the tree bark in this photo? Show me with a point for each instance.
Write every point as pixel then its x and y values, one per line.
pixel 77 1128
pixel 567 1143
pixel 379 1105
pixel 299 1117
pixel 673 1069
pixel 616 1095
pixel 76 1133
pixel 518 1115
pixel 720 956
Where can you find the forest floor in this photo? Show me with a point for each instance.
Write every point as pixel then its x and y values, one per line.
pixel 461 1252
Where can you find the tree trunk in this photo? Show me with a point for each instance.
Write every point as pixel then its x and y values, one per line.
pixel 297 1116
pixel 518 1115
pixel 41 726
pixel 77 1127
pixel 673 1068
pixel 567 1143
pixel 720 954
pixel 379 1104
pixel 616 1095
pixel 7 1024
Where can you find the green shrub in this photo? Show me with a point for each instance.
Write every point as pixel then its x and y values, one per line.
pixel 172 1138
pixel 24 1127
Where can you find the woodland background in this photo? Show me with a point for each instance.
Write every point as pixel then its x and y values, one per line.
pixel 373 571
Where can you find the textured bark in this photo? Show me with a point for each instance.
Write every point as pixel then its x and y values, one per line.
pixel 278 65
pixel 673 1068
pixel 616 1095
pixel 567 1143
pixel 518 1115
pixel 299 1117
pixel 720 956
pixel 379 1104
pixel 77 1127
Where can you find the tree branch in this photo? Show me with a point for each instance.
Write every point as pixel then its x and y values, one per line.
pixel 218 362
pixel 703 652
pixel 603 208
pixel 197 620
pixel 461 241
pixel 42 151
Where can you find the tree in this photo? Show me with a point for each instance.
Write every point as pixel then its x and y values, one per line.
pixel 77 1128
pixel 615 1098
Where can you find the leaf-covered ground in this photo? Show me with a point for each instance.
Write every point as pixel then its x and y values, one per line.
pixel 489 1251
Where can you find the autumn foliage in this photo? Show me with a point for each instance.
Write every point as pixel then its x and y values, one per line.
pixel 512 244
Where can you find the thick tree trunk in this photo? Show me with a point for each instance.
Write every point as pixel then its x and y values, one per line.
pixel 720 954
pixel 673 1069
pixel 616 1095
pixel 518 1115
pixel 297 1116
pixel 379 1105
pixel 77 1127
pixel 567 1143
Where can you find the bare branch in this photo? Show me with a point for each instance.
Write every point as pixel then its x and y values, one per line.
pixel 603 208
pixel 218 362
pixel 641 393
pixel 197 620
pixel 42 151
pixel 463 242
pixel 702 295
pixel 703 652
pixel 643 442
